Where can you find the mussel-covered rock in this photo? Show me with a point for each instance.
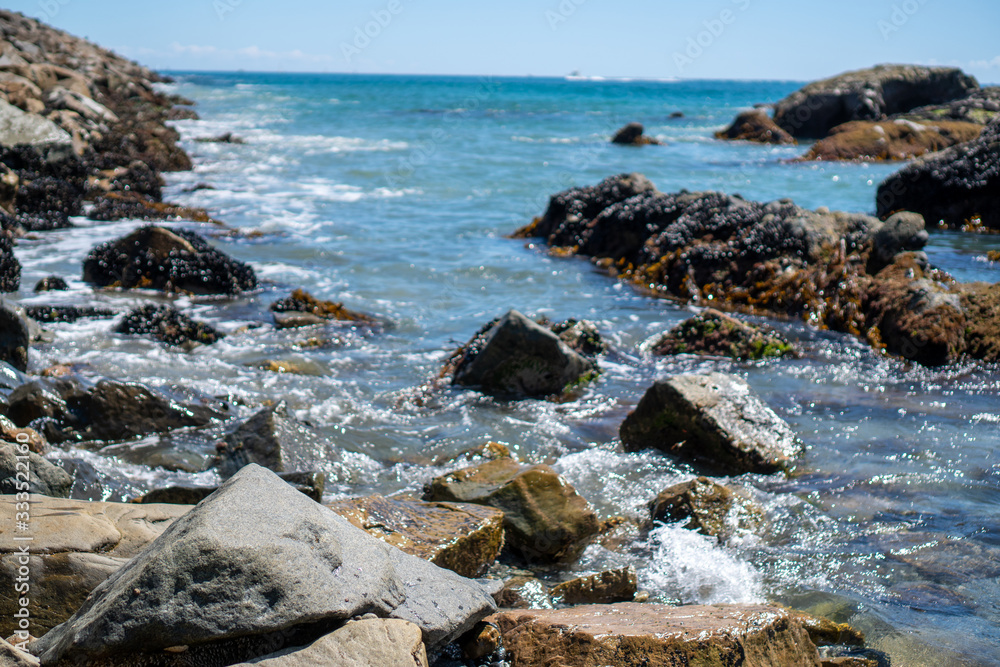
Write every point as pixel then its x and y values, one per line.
pixel 167 325
pixel 717 334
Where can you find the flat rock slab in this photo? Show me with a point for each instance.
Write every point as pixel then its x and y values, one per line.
pixel 714 419
pixel 367 643
pixel 460 537
pixel 634 635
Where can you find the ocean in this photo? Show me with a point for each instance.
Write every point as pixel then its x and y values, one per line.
pixel 395 195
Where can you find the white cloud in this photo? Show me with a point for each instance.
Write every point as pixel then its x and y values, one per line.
pixel 989 64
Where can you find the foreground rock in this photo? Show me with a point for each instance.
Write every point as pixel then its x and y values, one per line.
pixel 514 357
pixel 167 325
pixel 76 546
pixel 109 411
pixel 757 126
pixel 634 635
pixel 709 248
pixel 716 334
pixel 715 420
pixel 899 139
pixel 366 643
pixel 868 94
pixel 545 519
pixel 633 134
pixel 234 574
pixel 167 260
pixel 303 309
pixel 463 538
pixel 44 478
pixel 956 188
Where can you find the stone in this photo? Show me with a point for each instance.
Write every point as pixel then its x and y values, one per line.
pixel 900 139
pixel 705 506
pixel 274 439
pixel 480 642
pixel 48 314
pixel 716 334
pixel 516 358
pixel 633 134
pixel 297 320
pixel 307 307
pixel 463 538
pixel 980 106
pixel 10 268
pixel 868 94
pixel 11 656
pixel 757 126
pixel 957 188
pixel 20 128
pixel 365 643
pixel 227 138
pixel 166 260
pixel 23 470
pixel 234 574
pixel 545 519
pixel 167 325
pixel 581 336
pixel 10 379
pixel 607 587
pixel 634 635
pixel 35 441
pixel 15 337
pixel 714 420
pixel 309 483
pixel 76 546
pixel 128 205
pixel 524 592
pixel 902 232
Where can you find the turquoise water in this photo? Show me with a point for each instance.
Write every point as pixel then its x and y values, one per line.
pixel 395 194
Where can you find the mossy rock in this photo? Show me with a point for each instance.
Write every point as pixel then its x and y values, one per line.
pixel 716 334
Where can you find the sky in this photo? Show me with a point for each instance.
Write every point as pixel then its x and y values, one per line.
pixel 718 39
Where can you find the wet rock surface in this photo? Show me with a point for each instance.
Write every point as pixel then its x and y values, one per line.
pixel 214 582
pixel 15 336
pixel 514 357
pixel 757 126
pixel 168 260
pixel 631 635
pixel 717 334
pixel 956 188
pixel 706 506
pixel 868 94
pixel 167 325
pixel 776 258
pixel 309 310
pixel 607 587
pixel 460 537
pixel 10 268
pixel 49 314
pixel 714 420
pixel 545 519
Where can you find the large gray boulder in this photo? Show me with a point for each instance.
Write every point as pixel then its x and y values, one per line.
pixel 713 419
pixel 20 128
pixel 44 478
pixel 366 643
pixel 868 94
pixel 517 358
pixel 253 564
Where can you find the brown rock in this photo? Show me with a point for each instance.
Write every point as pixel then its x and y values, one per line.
pixel 523 592
pixel 756 125
pixel 634 635
pixel 890 140
pixel 463 538
pixel 704 504
pixel 9 432
pixel 480 642
pixel 607 587
pixel 716 334
pixel 545 519
pixel 77 545
pixel 633 135
pixel 305 306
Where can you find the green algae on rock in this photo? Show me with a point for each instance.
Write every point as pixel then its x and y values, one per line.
pixel 714 333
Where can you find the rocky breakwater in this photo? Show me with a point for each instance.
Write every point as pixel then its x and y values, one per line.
pixel 847 272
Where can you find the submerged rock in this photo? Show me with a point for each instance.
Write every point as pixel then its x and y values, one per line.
pixel 460 537
pixel 631 635
pixel 374 642
pixel 44 478
pixel 956 188
pixel 514 357
pixel 545 519
pixel 303 309
pixel 76 546
pixel 167 325
pixel 868 94
pixel 255 561
pixel 899 139
pixel 167 260
pixel 275 440
pixel 755 125
pixel 633 134
pixel 715 420
pixel 716 334
pixel 51 284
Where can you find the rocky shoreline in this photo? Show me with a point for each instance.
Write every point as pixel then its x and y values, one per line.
pixel 474 571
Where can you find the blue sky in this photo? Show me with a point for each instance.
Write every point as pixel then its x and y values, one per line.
pixel 746 39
